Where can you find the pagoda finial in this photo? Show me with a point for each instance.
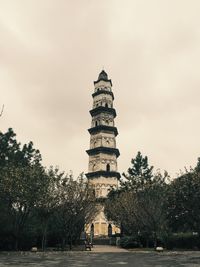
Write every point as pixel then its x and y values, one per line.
pixel 103 75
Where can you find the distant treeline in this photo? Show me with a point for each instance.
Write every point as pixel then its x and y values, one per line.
pixel 151 208
pixel 45 207
pixel 39 206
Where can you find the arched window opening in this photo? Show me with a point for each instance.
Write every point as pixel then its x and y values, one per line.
pixel 106 105
pixel 96 123
pixel 107 122
pixel 108 167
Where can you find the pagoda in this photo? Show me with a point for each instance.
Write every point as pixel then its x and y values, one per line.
pixel 103 154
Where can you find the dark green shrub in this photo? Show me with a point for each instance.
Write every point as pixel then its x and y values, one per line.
pixel 129 242
pixel 183 241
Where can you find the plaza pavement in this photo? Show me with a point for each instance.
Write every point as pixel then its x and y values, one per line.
pixel 101 256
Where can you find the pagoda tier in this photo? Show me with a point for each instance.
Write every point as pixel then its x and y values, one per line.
pixel 106 174
pixel 103 128
pixel 102 91
pixel 101 109
pixel 105 150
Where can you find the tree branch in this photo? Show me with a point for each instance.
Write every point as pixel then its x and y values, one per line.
pixel 2 111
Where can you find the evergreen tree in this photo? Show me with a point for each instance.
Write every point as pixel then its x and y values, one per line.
pixel 183 207
pixel 139 174
pixel 197 168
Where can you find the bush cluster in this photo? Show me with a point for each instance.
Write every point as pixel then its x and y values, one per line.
pixel 183 241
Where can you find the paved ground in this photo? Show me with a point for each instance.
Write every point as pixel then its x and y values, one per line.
pixel 100 258
pixel 106 249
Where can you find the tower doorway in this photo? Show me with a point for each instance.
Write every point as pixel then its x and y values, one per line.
pixel 108 167
pixel 92 229
pixel 109 230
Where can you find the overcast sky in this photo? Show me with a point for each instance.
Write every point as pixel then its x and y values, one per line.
pixel 51 52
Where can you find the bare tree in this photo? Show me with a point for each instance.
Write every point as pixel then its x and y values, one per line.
pixel 2 111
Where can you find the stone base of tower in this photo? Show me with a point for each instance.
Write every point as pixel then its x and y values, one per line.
pixel 100 226
pixel 102 184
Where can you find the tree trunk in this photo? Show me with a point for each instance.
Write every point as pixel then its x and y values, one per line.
pixel 155 240
pixel 147 242
pixel 16 239
pixel 16 243
pixel 44 237
pixel 70 243
pixel 63 243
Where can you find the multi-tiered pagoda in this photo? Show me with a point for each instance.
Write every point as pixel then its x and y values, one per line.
pixel 103 154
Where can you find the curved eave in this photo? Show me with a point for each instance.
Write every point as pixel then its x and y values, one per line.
pixel 106 174
pixel 103 128
pixel 101 109
pixel 103 92
pixel 105 80
pixel 105 150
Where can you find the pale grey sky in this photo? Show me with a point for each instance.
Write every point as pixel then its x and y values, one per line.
pixel 52 51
